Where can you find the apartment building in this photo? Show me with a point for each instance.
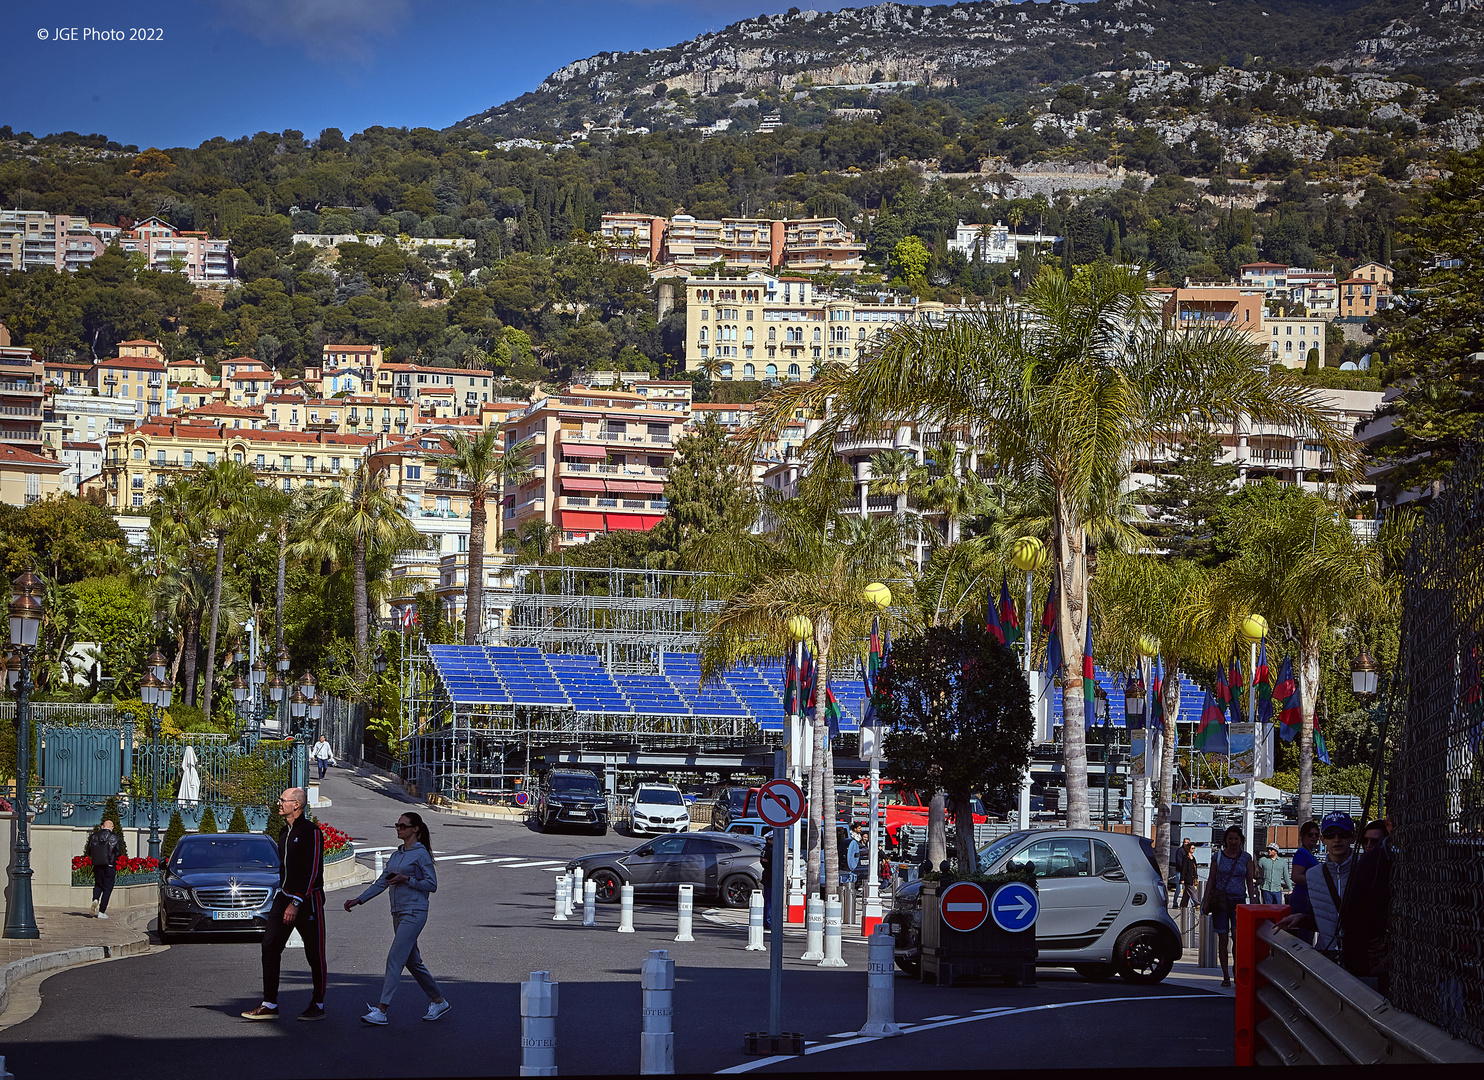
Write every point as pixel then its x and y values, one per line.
pixel 1292 339
pixel 62 374
pixel 1365 292
pixel 1316 290
pixel 22 395
pixel 78 414
pixel 137 379
pixel 1271 278
pixel 185 396
pixel 189 372
pixel 203 260
pixel 26 477
pixel 758 327
pixel 802 245
pixel 996 243
pixel 138 460
pixel 30 239
pixel 83 460
pixel 247 380
pixel 142 347
pixel 601 458
pixel 459 391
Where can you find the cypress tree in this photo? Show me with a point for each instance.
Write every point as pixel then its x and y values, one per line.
pixel 238 824
pixel 173 834
pixel 208 822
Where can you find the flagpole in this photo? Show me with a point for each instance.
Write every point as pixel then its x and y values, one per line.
pixel 1249 791
pixel 795 911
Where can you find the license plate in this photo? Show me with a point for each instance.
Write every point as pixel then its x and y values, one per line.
pixel 245 916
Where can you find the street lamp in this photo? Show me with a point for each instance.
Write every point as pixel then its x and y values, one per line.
pixel 1100 711
pixel 258 682
pixel 380 661
pixel 1028 555
pixel 1254 629
pixel 155 692
pixel 25 628
pixel 1363 674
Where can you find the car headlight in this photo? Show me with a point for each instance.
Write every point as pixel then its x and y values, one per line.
pixel 175 892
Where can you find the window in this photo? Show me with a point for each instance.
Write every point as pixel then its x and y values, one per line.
pixel 747 337
pixel 726 369
pixel 793 371
pixel 186 458
pixel 772 333
pixel 772 371
pixel 237 457
pixel 817 334
pixel 703 335
pixel 749 373
pixel 309 463
pixel 211 457
pixel 288 485
pixel 138 453
pixel 335 464
pixel 138 498
pixel 159 457
pixel 443 508
pixel 262 462
pixel 1057 858
pixel 288 462
pixel 1103 859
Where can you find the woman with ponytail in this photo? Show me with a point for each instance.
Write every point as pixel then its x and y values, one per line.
pixel 410 875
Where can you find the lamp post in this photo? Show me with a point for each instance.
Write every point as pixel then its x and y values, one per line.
pixel 282 664
pixel 25 628
pixel 879 595
pixel 1254 629
pixel 156 694
pixel 800 762
pixel 1134 704
pixel 1100 710
pixel 258 678
pixel 1365 680
pixel 1028 555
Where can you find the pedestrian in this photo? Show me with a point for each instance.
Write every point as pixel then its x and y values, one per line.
pixel 1189 874
pixel 1233 881
pixel 767 862
pixel 103 849
pixel 410 875
pixel 299 904
pixel 1303 859
pixel 1273 879
pixel 1327 885
pixel 1367 910
pixel 854 851
pixel 322 754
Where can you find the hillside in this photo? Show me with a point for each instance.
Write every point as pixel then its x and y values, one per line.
pixel 993 50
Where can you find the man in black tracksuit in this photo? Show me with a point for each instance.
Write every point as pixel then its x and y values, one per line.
pixel 300 903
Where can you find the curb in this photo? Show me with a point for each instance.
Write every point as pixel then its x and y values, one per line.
pixel 17 970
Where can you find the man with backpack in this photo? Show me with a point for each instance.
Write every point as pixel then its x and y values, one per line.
pixel 103 849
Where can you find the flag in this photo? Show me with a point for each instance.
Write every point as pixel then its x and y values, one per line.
pixel 1048 616
pixel 806 682
pixel 1157 696
pixel 1053 656
pixel 868 718
pixel 1223 692
pixel 1234 689
pixel 1089 684
pixel 992 618
pixel 1210 737
pixel 832 712
pixel 1291 716
pixel 791 686
pixel 874 658
pixel 1264 685
pixel 1009 619
pixel 1321 751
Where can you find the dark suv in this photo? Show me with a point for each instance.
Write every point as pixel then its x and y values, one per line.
pixel 572 797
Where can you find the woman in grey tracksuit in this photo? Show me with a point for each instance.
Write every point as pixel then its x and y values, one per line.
pixel 410 875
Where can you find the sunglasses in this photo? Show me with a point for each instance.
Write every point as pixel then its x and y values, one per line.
pixel 1338 834
pixel 401 825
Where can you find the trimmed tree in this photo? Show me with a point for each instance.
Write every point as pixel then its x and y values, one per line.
pixel 275 823
pixel 111 812
pixel 172 836
pixel 208 822
pixel 961 721
pixel 238 823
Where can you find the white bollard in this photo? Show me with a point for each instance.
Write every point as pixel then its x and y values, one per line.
pixel 562 885
pixel 380 865
pixel 294 941
pixel 574 894
pixel 755 922
pixel 814 930
pixel 626 909
pixel 657 1037
pixel 687 908
pixel 538 1011
pixel 832 913
pixel 589 903
pixel 881 992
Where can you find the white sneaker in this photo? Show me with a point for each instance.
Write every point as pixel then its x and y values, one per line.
pixel 437 1009
pixel 94 911
pixel 375 1016
pixel 102 915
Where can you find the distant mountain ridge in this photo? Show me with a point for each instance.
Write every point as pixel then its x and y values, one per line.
pixel 993 47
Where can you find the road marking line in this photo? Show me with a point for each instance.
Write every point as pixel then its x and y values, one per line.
pixel 748 1066
pixel 945 1016
pixel 523 865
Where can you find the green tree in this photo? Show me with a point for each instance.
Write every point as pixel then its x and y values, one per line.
pixel 703 491
pixel 208 822
pixel 238 821
pixel 1064 387
pixel 1191 488
pixel 275 824
pixel 961 721
pixel 486 468
pixel 112 813
pixel 219 494
pixel 909 260
pixel 115 615
pixel 173 833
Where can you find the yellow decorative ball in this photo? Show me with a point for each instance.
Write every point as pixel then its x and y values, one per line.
pixel 878 594
pixel 1254 628
pixel 801 627
pixel 1148 645
pixel 1029 555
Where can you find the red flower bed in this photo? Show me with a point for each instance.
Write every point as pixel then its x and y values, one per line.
pixel 335 840
pixel 125 865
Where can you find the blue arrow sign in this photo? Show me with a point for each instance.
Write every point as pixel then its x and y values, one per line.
pixel 1014 907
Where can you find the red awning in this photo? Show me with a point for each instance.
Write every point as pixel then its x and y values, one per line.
pixel 634 522
pixel 629 486
pixel 581 483
pixel 650 489
pixel 575 520
pixel 579 450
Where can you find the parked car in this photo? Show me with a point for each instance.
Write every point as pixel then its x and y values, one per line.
pixel 724 867
pixel 658 808
pixel 758 829
pixel 217 883
pixel 1102 904
pixel 731 802
pixel 572 797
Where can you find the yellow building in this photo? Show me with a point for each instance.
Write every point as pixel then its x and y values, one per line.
pixel 26 478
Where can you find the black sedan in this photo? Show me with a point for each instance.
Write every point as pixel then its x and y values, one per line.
pixel 218 883
pixel 724 867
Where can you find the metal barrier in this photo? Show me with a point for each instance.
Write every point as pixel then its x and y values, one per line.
pixel 1297 1007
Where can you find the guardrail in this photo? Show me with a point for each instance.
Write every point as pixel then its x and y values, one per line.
pixel 1295 1006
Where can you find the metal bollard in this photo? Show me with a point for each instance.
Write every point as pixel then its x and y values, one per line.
pixel 563 884
pixel 626 909
pixel 814 930
pixel 538 1011
pixel 832 920
pixel 755 922
pixel 657 1037
pixel 380 865
pixel 881 992
pixel 589 903
pixel 294 941
pixel 574 895
pixel 687 908
pixel 795 904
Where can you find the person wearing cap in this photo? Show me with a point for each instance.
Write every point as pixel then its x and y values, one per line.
pixel 1272 876
pixel 1327 883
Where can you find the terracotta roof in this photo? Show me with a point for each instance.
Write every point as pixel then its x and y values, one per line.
pixel 221 408
pixel 13 455
pixel 82 446
pixel 478 372
pixel 350 348
pixel 132 363
pixel 142 341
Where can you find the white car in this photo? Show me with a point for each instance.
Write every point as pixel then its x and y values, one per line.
pixel 659 808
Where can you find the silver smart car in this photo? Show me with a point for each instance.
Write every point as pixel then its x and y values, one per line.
pixel 1102 904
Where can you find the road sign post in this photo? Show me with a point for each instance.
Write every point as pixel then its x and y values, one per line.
pixel 780 803
pixel 776 1040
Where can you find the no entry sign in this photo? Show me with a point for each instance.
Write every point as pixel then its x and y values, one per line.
pixel 964 906
pixel 780 803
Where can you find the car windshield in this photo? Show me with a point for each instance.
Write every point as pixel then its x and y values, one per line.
pixel 997 850
pixel 576 785
pixel 225 853
pixel 659 796
pixel 736 799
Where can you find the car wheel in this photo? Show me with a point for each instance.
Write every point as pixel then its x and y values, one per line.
pixel 165 939
pixel 1096 972
pixel 911 965
pixel 606 886
pixel 736 891
pixel 1143 956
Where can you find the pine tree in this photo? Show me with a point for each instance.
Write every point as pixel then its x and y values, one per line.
pixel 703 490
pixel 1189 492
pixel 275 824
pixel 208 822
pixel 238 824
pixel 172 837
pixel 111 812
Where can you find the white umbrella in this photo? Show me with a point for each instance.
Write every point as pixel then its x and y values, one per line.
pixel 1262 791
pixel 190 778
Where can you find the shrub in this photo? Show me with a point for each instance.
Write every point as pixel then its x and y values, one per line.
pixel 111 812
pixel 275 824
pixel 238 824
pixel 208 822
pixel 173 834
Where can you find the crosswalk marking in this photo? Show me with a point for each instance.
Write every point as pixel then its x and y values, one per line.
pixel 474 858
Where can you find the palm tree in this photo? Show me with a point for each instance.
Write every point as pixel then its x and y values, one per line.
pixel 487 470
pixel 1300 566
pixel 349 521
pixel 180 596
pixel 891 474
pixel 283 516
pixel 1064 387
pixel 219 495
pixel 536 540
pixel 945 485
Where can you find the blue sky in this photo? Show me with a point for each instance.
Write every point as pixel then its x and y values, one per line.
pixel 236 67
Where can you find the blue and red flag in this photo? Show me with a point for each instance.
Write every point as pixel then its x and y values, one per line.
pixel 1234 689
pixel 1210 737
pixel 1009 619
pixel 1089 683
pixel 1053 639
pixel 791 684
pixel 1264 685
pixel 806 682
pixel 1223 692
pixel 1291 713
pixel 992 617
pixel 1157 695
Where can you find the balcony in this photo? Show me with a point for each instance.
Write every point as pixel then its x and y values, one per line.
pixel 19 410
pixel 30 389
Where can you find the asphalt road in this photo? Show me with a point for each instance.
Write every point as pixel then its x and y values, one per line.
pixel 175 1011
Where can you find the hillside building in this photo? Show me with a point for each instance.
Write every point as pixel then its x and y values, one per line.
pixel 22 394
pixel 30 239
pixel 996 243
pixel 802 245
